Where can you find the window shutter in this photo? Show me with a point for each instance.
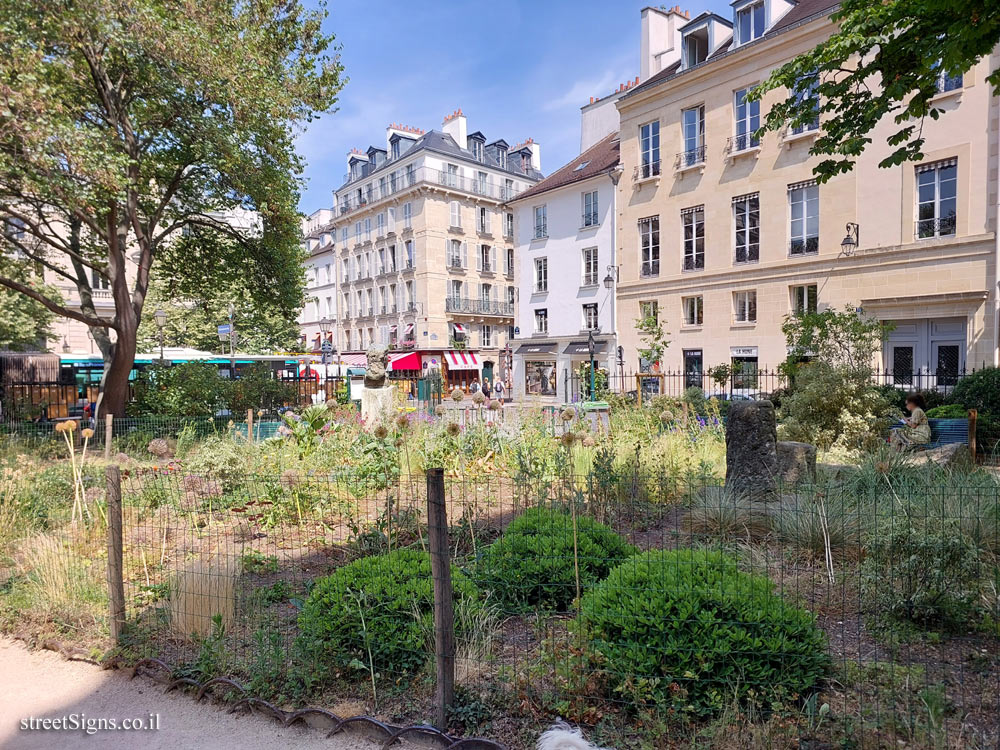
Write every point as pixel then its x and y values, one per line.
pixel 493 258
pixel 479 258
pixel 465 255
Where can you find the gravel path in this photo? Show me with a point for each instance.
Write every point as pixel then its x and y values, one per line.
pixel 44 684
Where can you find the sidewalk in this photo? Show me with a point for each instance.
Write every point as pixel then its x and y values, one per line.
pixel 44 684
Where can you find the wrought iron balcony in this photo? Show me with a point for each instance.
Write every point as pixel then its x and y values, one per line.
pixel 474 306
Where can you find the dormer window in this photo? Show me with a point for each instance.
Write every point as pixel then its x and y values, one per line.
pixel 395 148
pixel 750 22
pixel 696 47
pixel 476 147
pixel 502 157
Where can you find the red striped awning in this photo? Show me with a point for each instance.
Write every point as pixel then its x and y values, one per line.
pixel 461 360
pixel 404 361
pixel 354 360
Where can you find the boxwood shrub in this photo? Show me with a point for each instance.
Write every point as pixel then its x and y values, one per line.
pixel 532 565
pixel 384 603
pixel 685 630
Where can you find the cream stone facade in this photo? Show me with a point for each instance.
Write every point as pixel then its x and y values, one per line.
pixel 424 244
pixel 727 237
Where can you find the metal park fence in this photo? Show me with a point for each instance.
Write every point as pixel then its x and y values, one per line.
pixel 730 382
pixel 860 610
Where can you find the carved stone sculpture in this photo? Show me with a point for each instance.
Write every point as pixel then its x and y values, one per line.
pixel 378 362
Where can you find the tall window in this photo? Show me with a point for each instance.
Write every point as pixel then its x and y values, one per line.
pixel 411 303
pixel 368 228
pixel 411 174
pixel 456 214
pixel 650 311
pixel 487 335
pixel 541 274
pixel 508 224
pixel 451 175
pixel 805 92
pixel 746 217
pixel 511 294
pixel 541 321
pixel 482 183
pixel 486 259
pixel 409 253
pixel 649 246
pixel 477 149
pixel 455 291
pixel 590 317
pixel 99 281
pixel 693 131
pixel 649 148
pixel 541 222
pixel 750 22
pixel 804 299
pixel 485 293
pixel 407 215
pixel 803 213
pixel 343 236
pixel 693 225
pixel 484 220
pixel 590 209
pixel 946 82
pixel 508 189
pixel 509 262
pixel 747 121
pixel 745 306
pixel 693 310
pixel 936 205
pixel 357 232
pixel 456 254
pixel 590 266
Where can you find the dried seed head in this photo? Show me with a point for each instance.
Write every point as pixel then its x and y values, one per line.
pixel 568 438
pixel 87 433
pixel 402 421
pixel 453 429
pixel 457 395
pixel 381 432
pixel 478 398
pixel 568 414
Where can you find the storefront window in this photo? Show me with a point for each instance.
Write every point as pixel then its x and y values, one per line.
pixel 540 378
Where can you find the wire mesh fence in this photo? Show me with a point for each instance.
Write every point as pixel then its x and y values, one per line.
pixel 857 612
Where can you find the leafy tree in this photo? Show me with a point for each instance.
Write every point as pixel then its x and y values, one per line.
pixel 653 337
pixel 834 402
pixel 193 319
pixel 25 323
pixel 126 125
pixel 885 60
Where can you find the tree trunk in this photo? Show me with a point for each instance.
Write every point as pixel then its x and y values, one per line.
pixel 115 383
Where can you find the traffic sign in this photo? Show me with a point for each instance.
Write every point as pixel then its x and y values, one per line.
pixel 225 329
pixel 326 347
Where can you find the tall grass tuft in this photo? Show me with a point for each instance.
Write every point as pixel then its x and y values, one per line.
pixel 59 581
pixel 204 589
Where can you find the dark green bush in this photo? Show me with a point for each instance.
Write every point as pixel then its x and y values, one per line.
pixel 532 565
pixel 925 572
pixel 258 388
pixel 948 411
pixel 686 630
pixel 979 390
pixel 382 604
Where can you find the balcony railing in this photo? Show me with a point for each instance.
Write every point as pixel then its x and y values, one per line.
pixel 425 175
pixel 804 246
pixel 693 157
pixel 926 228
pixel 646 171
pixel 478 307
pixel 743 142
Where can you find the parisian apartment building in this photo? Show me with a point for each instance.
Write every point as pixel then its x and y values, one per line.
pixel 722 235
pixel 565 250
pixel 417 253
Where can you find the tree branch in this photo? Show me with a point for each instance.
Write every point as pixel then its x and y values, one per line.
pixel 66 312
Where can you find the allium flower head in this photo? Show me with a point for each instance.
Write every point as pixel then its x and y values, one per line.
pixel 402 421
pixel 589 441
pixel 568 414
pixel 381 432
pixel 494 405
pixel 457 395
pixel 87 433
pixel 453 429
pixel 478 398
pixel 568 438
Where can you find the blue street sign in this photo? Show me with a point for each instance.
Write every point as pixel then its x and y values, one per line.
pixel 225 329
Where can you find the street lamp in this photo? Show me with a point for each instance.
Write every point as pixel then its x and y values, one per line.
pixel 851 239
pixel 591 347
pixel 325 326
pixel 610 279
pixel 160 316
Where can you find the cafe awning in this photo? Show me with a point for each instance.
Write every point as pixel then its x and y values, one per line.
pixel 461 360
pixel 582 347
pixel 354 360
pixel 404 361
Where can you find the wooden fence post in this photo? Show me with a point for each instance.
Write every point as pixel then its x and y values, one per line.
pixel 109 423
pixel 116 584
pixel 250 425
pixel 973 416
pixel 444 612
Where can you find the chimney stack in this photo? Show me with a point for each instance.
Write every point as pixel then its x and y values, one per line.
pixel 455 126
pixel 660 39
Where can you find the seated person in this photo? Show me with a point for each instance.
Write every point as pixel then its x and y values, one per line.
pixel 916 430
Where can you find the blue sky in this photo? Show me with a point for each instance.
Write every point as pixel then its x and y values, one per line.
pixel 516 69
